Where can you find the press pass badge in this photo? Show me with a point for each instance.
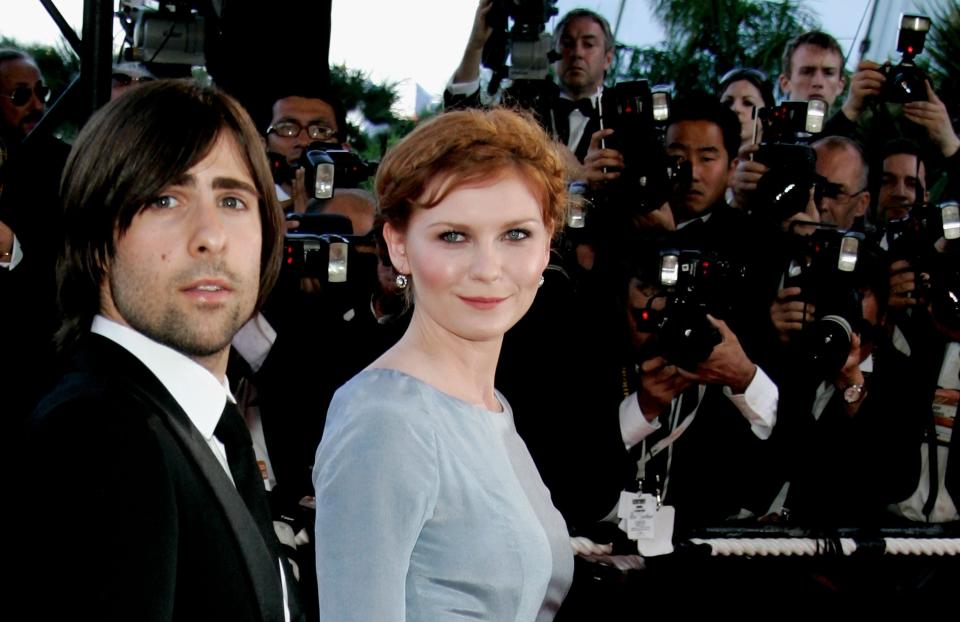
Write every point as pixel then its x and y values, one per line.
pixel 641 516
pixel 662 541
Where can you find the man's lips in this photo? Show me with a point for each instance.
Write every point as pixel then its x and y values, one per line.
pixel 208 289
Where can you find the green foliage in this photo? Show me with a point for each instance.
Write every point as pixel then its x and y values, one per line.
pixel 707 39
pixel 943 50
pixel 376 103
pixel 58 64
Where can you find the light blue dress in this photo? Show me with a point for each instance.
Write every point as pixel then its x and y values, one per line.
pixel 430 508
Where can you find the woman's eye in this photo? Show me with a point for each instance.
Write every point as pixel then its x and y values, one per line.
pixel 452 236
pixel 515 235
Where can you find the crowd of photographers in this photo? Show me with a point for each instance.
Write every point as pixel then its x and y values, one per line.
pixel 752 314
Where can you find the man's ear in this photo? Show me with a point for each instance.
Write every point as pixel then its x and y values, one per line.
pixel 397 248
pixel 784 82
pixel 863 201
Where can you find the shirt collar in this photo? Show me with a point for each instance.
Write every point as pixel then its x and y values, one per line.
pixel 198 392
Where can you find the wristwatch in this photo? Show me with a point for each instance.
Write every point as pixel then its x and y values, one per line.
pixel 853 393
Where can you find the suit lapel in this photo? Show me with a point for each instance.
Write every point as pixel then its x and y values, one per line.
pixel 261 563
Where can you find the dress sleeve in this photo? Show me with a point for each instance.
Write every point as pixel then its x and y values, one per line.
pixel 376 482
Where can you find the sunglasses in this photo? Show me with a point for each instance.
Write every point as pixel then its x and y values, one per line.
pixel 122 79
pixel 22 94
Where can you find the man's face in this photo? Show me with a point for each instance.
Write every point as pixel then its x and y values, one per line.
pixel 186 273
pixel 583 59
pixel 19 120
pixel 815 73
pixel 898 186
pixel 701 144
pixel 304 111
pixel 843 168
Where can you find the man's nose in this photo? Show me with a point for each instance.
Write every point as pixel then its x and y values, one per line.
pixel 208 234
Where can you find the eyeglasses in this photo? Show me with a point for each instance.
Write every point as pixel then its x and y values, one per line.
pixel 289 129
pixel 122 79
pixel 835 191
pixel 22 94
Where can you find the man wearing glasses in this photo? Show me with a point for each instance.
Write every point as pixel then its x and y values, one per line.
pixel 23 95
pixel 299 119
pixel 845 195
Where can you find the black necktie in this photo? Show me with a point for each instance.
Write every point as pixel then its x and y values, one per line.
pixel 232 431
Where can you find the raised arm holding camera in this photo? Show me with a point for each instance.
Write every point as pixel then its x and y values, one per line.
pixel 583 50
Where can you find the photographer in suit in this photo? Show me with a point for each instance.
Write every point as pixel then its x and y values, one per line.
pixel 173 241
pixel 584 42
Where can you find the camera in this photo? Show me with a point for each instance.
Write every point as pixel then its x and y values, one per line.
pixel 323 247
pixel 327 166
pixel 692 284
pixel 638 116
pixel 913 238
pixel 905 81
pixel 784 189
pixel 530 49
pixel 823 267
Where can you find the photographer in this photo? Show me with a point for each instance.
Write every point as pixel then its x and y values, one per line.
pixel 584 42
pixel 300 116
pixel 850 433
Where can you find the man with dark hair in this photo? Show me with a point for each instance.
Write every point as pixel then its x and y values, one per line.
pixel 172 242
pixel 812 68
pixel 299 117
pixel 584 41
pixel 29 232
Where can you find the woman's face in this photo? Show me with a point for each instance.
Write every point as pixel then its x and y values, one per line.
pixel 742 97
pixel 475 258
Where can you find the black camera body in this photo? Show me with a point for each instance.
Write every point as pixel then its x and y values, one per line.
pixel 784 189
pixel 327 166
pixel 905 81
pixel 693 284
pixel 638 116
pixel 324 248
pixel 913 238
pixel 823 268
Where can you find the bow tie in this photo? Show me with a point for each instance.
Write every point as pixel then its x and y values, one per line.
pixel 584 105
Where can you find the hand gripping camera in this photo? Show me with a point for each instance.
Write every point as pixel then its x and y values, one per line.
pixel 905 81
pixel 823 268
pixel 785 188
pixel 693 284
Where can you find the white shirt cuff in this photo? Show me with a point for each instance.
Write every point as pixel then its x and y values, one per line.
pixel 463 88
pixel 634 427
pixel 758 404
pixel 16 256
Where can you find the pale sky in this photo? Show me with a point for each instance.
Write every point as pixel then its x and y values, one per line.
pixel 421 41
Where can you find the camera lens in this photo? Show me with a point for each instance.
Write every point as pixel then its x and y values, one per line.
pixel 828 344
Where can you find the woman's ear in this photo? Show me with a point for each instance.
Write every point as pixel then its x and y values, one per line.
pixel 397 248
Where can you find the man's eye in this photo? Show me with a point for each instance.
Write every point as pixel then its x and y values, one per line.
pixel 233 203
pixel 164 202
pixel 452 236
pixel 515 235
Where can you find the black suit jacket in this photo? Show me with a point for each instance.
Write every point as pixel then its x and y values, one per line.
pixel 141 521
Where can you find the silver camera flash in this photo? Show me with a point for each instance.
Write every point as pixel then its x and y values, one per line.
pixel 950 214
pixel 849 247
pixel 669 270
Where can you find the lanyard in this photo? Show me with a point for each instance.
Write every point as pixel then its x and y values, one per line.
pixel 676 431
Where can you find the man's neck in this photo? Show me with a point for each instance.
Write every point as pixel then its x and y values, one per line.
pixel 579 94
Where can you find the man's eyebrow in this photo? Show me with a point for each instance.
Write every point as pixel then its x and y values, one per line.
pixel 709 149
pixel 232 183
pixel 186 179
